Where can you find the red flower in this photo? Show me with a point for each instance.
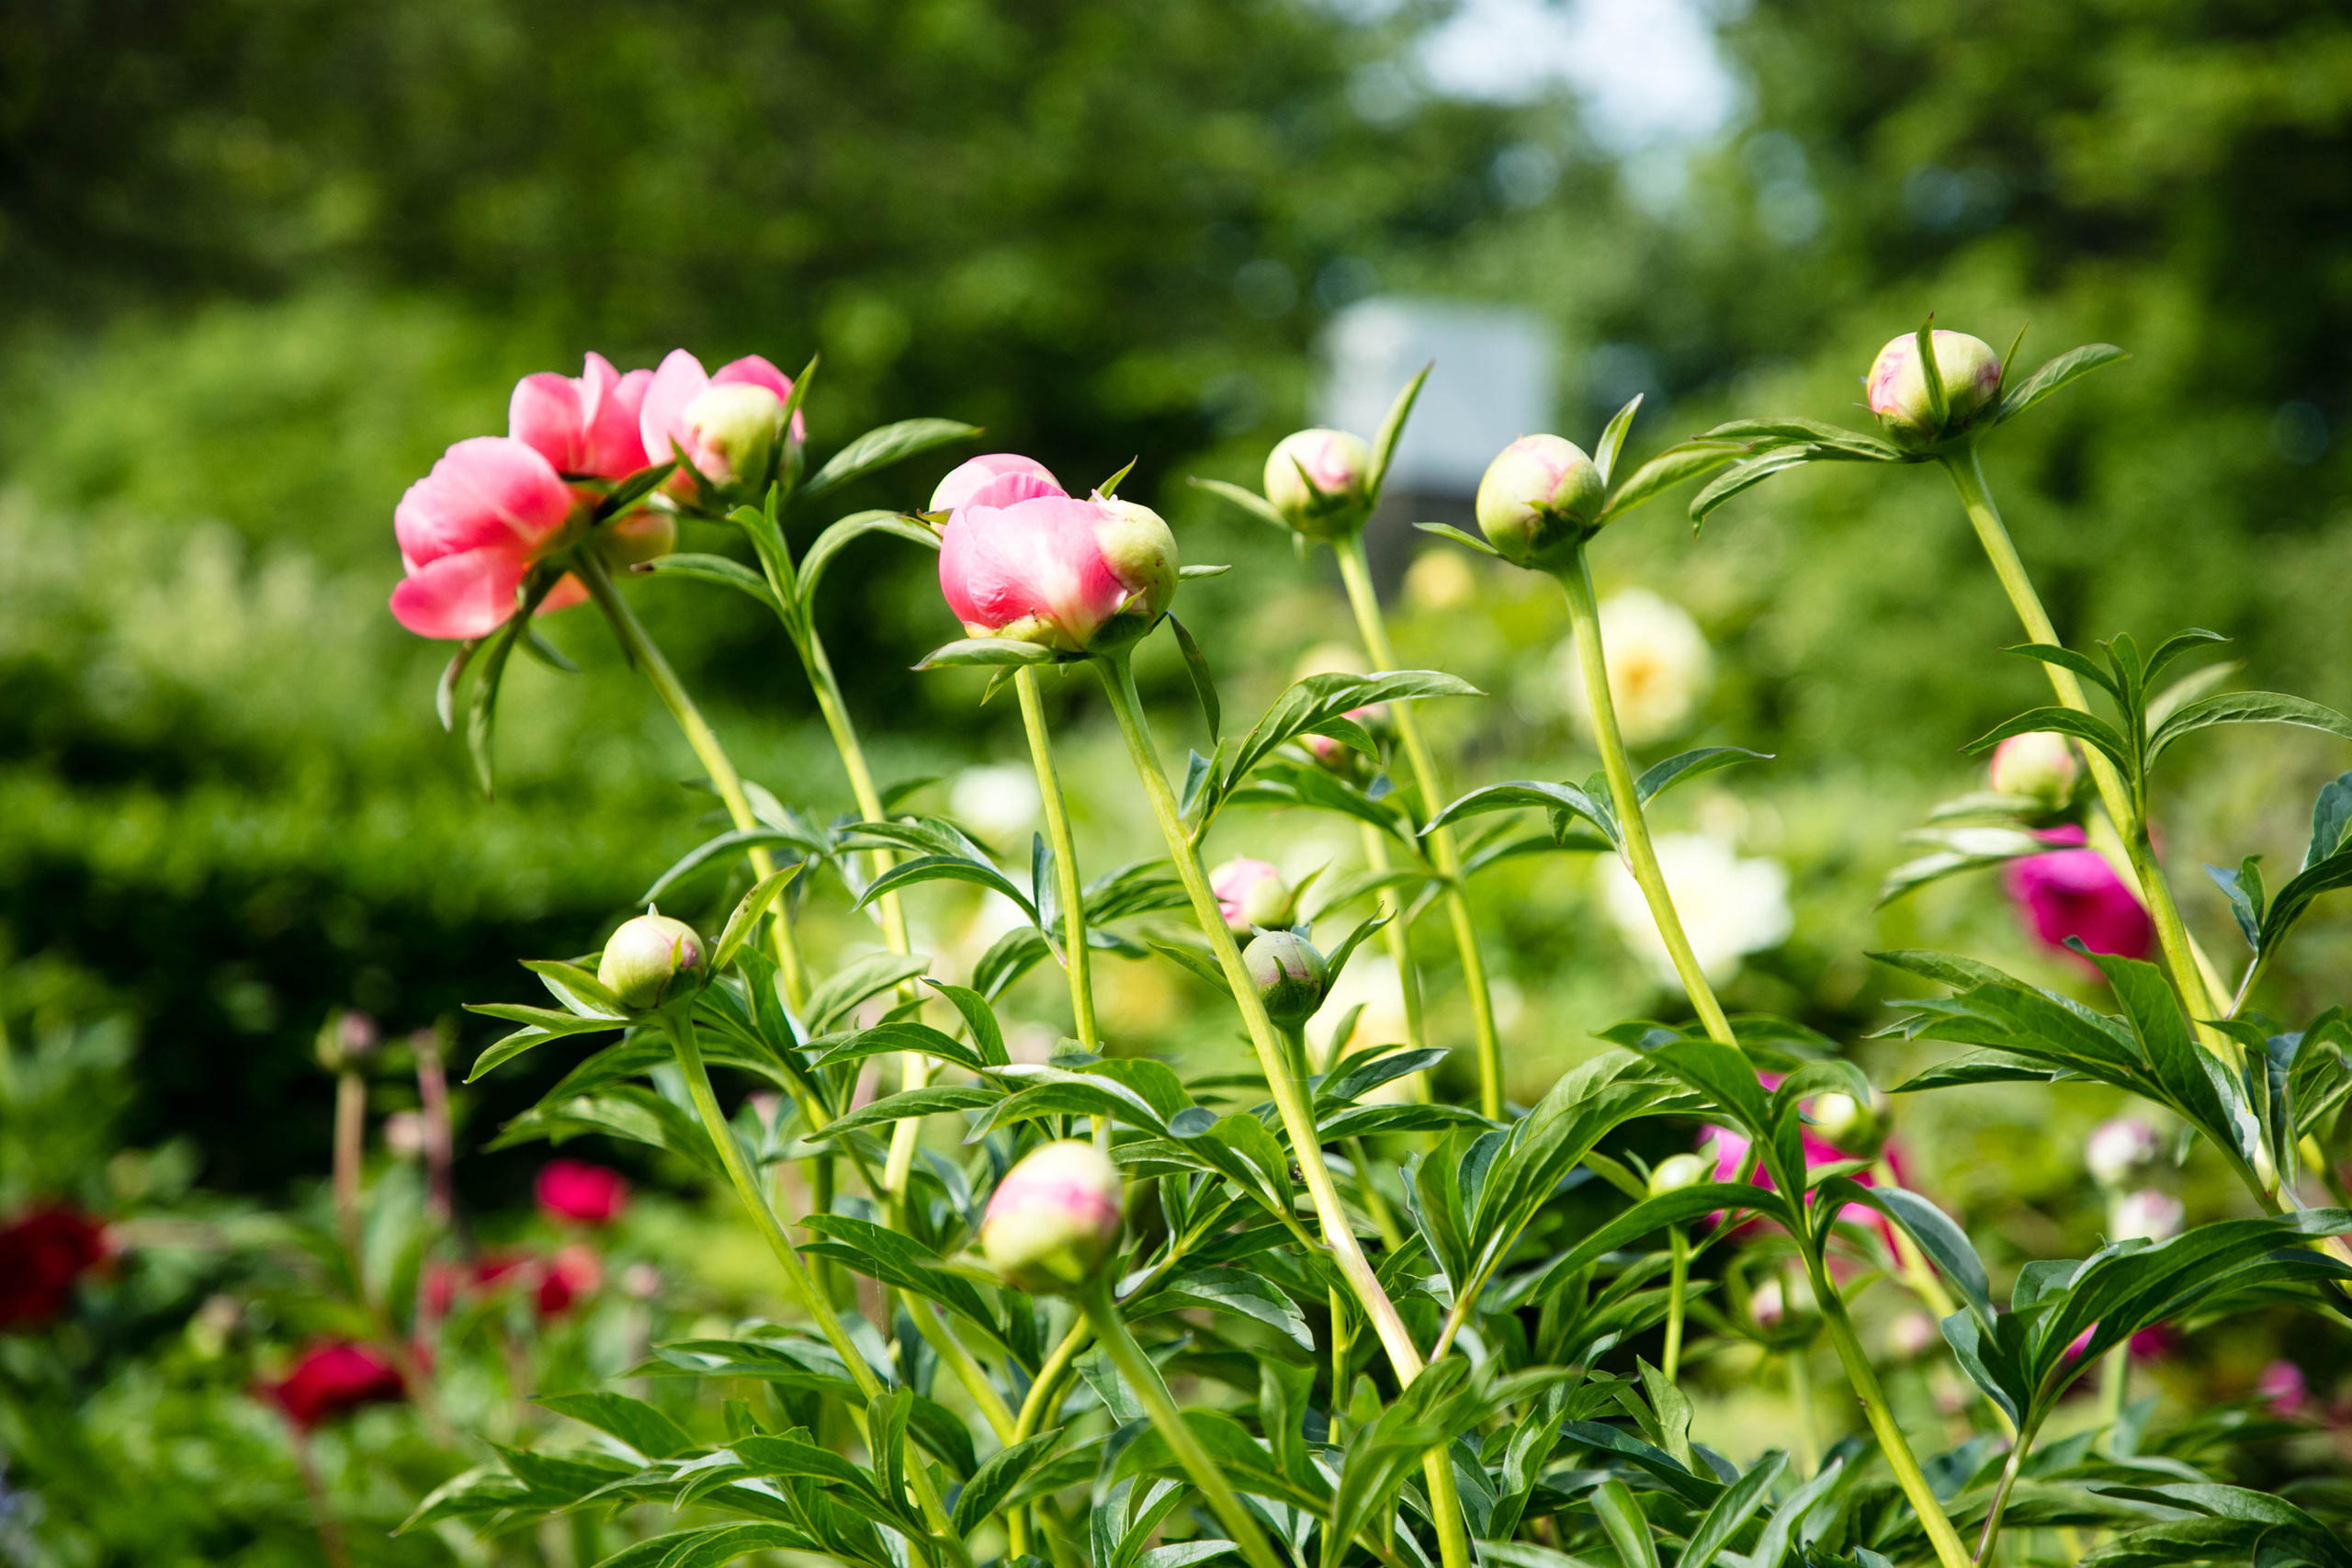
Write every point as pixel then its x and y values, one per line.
pixel 332 1377
pixel 554 1283
pixel 41 1255
pixel 574 1190
pixel 2073 892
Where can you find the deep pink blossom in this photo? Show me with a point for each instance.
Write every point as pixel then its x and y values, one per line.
pixel 42 1256
pixel 677 415
pixel 1020 558
pixel 572 1189
pixel 468 531
pixel 2283 1387
pixel 2070 891
pixel 1729 1150
pixel 586 424
pixel 332 1377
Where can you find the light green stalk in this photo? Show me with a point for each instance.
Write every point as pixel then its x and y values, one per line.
pixel 1678 1293
pixel 1445 852
pixel 1078 962
pixel 1641 858
pixel 1290 1101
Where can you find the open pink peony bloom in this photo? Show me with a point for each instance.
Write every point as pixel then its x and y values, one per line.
pixel 583 424
pixel 1020 558
pixel 967 479
pixel 469 530
pixel 1729 1151
pixel 2071 891
pixel 722 421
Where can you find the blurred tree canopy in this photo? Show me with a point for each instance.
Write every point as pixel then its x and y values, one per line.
pixel 269 256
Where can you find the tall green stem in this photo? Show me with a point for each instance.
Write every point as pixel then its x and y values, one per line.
pixel 2010 1474
pixel 646 655
pixel 1641 858
pixel 1968 477
pixel 1290 1101
pixel 812 1301
pixel 1077 961
pixel 1892 1445
pixel 1143 1378
pixel 1678 1293
pixel 1800 1360
pixel 1444 850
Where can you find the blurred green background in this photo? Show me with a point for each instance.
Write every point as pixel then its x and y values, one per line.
pixel 266 257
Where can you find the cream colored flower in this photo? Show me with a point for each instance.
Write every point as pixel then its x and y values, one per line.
pixel 1730 907
pixel 999 802
pixel 1659 667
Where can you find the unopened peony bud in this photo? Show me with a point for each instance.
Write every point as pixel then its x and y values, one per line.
pixel 642 535
pixel 346 1040
pixel 404 1135
pixel 1897 387
pixel 1538 500
pixel 731 428
pixel 2145 1215
pixel 1019 558
pixel 1054 1220
pixel 2038 766
pixel 1785 1308
pixel 2120 1150
pixel 1676 1172
pixel 1290 975
pixel 1855 1128
pixel 1319 479
pixel 645 955
pixel 1912 1335
pixel 1251 894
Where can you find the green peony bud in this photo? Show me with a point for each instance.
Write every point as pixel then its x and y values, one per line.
pixel 2038 766
pixel 645 955
pixel 735 426
pixel 1897 387
pixel 1539 499
pixel 1141 555
pixel 1054 1219
pixel 1855 1128
pixel 1676 1172
pixel 1318 480
pixel 1290 975
pixel 642 535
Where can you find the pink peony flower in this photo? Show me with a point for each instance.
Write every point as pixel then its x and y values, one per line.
pixel 2073 892
pixel 470 529
pixel 2283 1387
pixel 722 421
pixel 1021 558
pixel 586 424
pixel 571 1189
pixel 1730 1151
pixel 1896 388
pixel 332 1377
pixel 967 479
pixel 1054 1218
pixel 1251 893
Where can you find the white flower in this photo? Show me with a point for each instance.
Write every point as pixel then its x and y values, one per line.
pixel 1659 667
pixel 2145 1215
pixel 2119 1149
pixel 999 802
pixel 1730 907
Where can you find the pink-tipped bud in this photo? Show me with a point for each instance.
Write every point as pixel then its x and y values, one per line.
pixel 1320 481
pixel 2145 1215
pixel 1785 1308
pixel 1897 385
pixel 1539 499
pixel 1912 1335
pixel 2120 1151
pixel 645 535
pixel 1251 894
pixel 2038 766
pixel 645 955
pixel 1054 1220
pixel 732 428
pixel 1291 974
pixel 1021 560
pixel 1676 1172
pixel 346 1039
pixel 1854 1128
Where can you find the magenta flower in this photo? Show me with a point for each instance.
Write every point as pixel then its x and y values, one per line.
pixel 2283 1387
pixel 724 421
pixel 333 1378
pixel 1730 1153
pixel 470 529
pixel 572 1189
pixel 1021 558
pixel 586 424
pixel 2071 891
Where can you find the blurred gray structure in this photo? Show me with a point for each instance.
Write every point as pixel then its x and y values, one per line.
pixel 1494 371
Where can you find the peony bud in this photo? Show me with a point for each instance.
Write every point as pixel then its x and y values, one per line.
pixel 1855 1129
pixel 346 1039
pixel 1897 388
pixel 2145 1215
pixel 732 428
pixel 1019 558
pixel 2038 766
pixel 641 535
pixel 1676 1172
pixel 1252 894
pixel 645 954
pixel 2283 1387
pixel 1785 1308
pixel 1539 499
pixel 2120 1150
pixel 1290 975
pixel 404 1135
pixel 1318 480
pixel 1054 1220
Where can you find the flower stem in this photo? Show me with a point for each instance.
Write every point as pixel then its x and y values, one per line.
pixel 1808 1421
pixel 646 655
pixel 2115 1389
pixel 1968 477
pixel 1892 1445
pixel 1356 572
pixel 2009 1472
pixel 1143 1380
pixel 1641 858
pixel 1073 892
pixel 350 1135
pixel 812 1301
pixel 331 1549
pixel 1679 1288
pixel 1297 1116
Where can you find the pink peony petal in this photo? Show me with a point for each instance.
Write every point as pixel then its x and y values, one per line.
pixel 460 596
pixel 964 481
pixel 488 492
pixel 660 416
pixel 1037 557
pixel 753 371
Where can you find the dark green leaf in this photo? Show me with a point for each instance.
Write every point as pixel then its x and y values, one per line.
pixel 2247 707
pixel 886 445
pixel 2054 374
